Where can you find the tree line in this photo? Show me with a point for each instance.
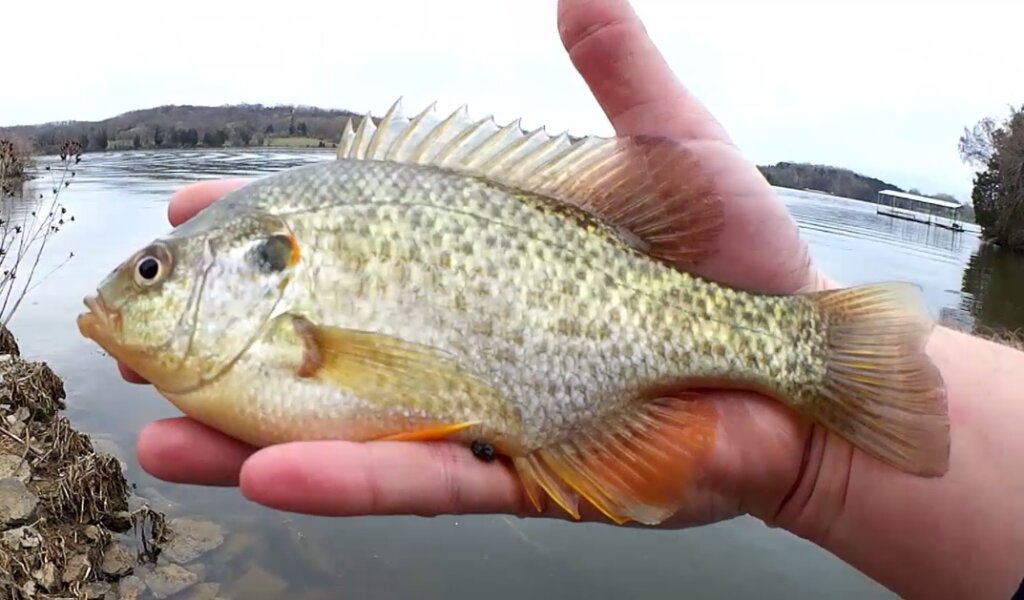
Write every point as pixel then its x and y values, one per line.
pixel 841 182
pixel 189 126
pixel 824 178
pixel 239 125
pixel 996 149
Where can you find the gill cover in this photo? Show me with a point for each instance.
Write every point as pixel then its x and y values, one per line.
pixel 247 268
pixel 183 309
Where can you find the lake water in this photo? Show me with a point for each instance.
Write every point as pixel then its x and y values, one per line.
pixel 119 203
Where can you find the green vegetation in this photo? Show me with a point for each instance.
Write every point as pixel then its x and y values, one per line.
pixel 187 126
pixel 997 148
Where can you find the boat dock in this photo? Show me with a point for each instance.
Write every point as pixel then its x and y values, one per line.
pixel 922 209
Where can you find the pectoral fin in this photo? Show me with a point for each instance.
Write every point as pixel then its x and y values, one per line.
pixel 427 393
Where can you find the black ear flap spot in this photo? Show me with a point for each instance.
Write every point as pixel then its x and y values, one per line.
pixel 275 253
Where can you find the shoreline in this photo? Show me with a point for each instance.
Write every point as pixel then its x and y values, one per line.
pixel 66 520
pixel 71 524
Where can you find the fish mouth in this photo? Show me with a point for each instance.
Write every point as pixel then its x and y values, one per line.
pixel 101 323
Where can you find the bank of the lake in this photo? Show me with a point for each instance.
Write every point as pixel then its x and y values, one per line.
pixel 119 200
pixel 69 525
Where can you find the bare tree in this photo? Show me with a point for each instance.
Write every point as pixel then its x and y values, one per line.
pixel 977 144
pixel 27 225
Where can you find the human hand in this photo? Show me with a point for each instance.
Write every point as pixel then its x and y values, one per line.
pixel 909 533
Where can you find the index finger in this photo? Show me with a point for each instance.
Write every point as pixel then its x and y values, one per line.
pixel 189 200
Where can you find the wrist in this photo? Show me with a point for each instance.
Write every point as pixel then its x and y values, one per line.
pixel 960 535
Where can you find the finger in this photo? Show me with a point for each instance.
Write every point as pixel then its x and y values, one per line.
pixel 754 461
pixel 190 199
pixel 628 75
pixel 379 478
pixel 182 450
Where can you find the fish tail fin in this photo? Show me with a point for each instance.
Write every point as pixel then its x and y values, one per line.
pixel 882 392
pixel 637 465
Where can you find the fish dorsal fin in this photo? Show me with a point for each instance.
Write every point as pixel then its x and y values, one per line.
pixel 651 188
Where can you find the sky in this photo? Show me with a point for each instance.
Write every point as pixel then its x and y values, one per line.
pixel 881 87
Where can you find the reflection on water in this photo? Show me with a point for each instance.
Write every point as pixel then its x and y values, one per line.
pixel 993 285
pixel 119 200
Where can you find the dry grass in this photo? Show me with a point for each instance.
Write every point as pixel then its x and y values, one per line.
pixel 83 495
pixel 16 162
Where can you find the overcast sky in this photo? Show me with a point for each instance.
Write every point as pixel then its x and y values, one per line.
pixel 882 87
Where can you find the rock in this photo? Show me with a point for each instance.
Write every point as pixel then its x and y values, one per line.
pixel 92 532
pixel 258 584
pixel 13 466
pixel 17 504
pixel 189 539
pixel 199 569
pixel 169 580
pixel 237 546
pixel 119 521
pixel 76 568
pixel 96 589
pixel 22 414
pixel 117 560
pixel 21 537
pixel 157 501
pixel 203 591
pixel 130 588
pixel 46 575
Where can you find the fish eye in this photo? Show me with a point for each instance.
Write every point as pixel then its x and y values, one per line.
pixel 149 268
pixel 152 266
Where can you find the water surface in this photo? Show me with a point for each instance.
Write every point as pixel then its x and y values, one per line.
pixel 119 201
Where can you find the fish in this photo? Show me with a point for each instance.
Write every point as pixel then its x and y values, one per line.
pixel 533 296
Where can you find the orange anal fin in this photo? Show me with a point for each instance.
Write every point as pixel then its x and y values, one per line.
pixel 637 466
pixel 429 433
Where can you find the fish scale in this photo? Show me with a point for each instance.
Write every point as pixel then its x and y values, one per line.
pixel 452 279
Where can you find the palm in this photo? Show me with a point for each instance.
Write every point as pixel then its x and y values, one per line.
pixel 758 456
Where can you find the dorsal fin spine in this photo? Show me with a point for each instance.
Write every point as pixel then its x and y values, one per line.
pixel 650 189
pixel 436 133
pixel 382 130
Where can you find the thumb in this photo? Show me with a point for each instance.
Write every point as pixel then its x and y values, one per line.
pixel 628 75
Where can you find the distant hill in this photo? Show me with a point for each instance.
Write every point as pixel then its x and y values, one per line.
pixel 188 126
pixel 834 180
pixel 842 182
